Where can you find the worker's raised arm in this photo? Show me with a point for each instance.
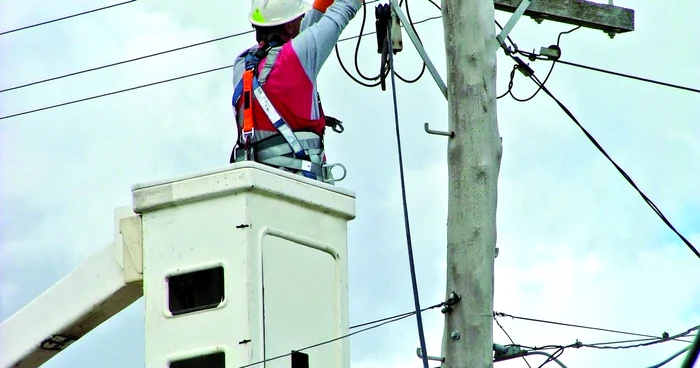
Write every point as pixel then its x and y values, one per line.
pixel 312 16
pixel 315 43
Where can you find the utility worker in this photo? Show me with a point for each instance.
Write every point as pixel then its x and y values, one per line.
pixel 278 111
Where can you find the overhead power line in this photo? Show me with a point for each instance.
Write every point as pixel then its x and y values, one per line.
pixel 127 61
pixel 642 79
pixel 66 17
pixel 622 172
pixel 114 92
pixel 180 48
pixel 509 338
pixel 517 67
pixel 669 359
pixel 639 345
pixel 152 84
pixel 523 67
pixel 501 314
pixel 560 348
pixel 374 324
pixel 635 341
pixel 536 56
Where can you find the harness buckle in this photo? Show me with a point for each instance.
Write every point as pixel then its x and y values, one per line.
pixel 248 139
pixel 327 173
pixel 335 124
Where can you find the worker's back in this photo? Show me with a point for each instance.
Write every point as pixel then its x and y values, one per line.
pixel 275 83
pixel 289 80
pixel 289 88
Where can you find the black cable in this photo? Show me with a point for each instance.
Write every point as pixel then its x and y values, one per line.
pixel 642 79
pixel 549 73
pixel 409 246
pixel 374 32
pixel 385 322
pixel 643 344
pixel 344 39
pixel 127 61
pixel 501 314
pixel 554 356
pixel 378 77
pixel 357 49
pixel 669 359
pixel 509 338
pixel 66 17
pixel 635 340
pixel 605 71
pixel 693 354
pixel 173 50
pixel 155 83
pixel 533 55
pixel 560 348
pixel 510 83
pixel 347 72
pixel 619 169
pixel 422 71
pixel 406 314
pixel 435 4
pixel 113 92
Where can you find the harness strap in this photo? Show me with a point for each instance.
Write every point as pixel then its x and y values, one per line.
pixel 250 83
pixel 295 164
pixel 313 166
pixel 247 91
pixel 302 151
pixel 283 150
pixel 279 122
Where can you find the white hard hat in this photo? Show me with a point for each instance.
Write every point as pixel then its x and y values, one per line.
pixel 267 13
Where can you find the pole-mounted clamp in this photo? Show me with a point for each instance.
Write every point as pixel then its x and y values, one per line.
pixel 382 13
pixel 452 300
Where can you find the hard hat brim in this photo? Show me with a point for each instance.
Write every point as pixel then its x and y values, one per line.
pixel 303 9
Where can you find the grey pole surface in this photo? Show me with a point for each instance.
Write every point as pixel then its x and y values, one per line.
pixel 474 158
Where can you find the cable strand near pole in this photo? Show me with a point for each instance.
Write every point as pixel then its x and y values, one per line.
pixel 414 283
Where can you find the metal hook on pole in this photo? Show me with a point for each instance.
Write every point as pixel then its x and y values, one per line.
pixel 426 126
pixel 419 352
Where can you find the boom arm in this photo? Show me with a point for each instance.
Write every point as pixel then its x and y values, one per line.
pixel 102 286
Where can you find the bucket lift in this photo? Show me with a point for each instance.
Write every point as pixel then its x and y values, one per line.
pixel 237 265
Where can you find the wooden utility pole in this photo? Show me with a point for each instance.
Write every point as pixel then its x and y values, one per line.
pixel 474 158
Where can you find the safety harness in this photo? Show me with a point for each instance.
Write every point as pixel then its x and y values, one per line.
pixel 302 152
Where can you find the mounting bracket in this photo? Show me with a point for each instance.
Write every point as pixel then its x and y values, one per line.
pixel 501 37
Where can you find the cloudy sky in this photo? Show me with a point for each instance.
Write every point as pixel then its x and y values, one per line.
pixel 577 244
